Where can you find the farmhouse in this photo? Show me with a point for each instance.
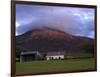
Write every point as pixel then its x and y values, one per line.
pixel 55 55
pixel 30 55
pixel 35 55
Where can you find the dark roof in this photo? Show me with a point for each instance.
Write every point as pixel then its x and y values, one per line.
pixel 29 52
pixel 55 53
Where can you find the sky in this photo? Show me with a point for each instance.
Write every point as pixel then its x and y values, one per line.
pixel 72 20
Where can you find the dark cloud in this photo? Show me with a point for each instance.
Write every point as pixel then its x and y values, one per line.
pixel 76 21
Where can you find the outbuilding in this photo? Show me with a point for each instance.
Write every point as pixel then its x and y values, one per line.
pixel 30 56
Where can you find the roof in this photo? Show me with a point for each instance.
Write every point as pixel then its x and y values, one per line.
pixel 29 52
pixel 55 53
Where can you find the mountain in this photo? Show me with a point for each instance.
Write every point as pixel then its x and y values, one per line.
pixel 48 39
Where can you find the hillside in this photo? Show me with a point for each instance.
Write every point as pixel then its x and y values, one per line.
pixel 47 39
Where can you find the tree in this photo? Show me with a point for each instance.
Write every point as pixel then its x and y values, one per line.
pixel 88 47
pixel 18 51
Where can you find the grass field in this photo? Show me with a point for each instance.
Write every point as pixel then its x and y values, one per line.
pixel 55 65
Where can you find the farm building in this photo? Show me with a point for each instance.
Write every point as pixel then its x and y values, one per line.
pixel 55 55
pixel 30 55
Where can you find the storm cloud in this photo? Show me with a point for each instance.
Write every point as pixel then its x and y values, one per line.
pixel 76 21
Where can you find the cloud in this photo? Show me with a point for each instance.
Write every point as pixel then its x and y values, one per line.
pixel 76 21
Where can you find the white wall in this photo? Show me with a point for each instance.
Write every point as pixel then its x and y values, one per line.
pixel 55 57
pixel 5 39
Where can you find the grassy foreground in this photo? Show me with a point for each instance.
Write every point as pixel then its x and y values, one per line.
pixel 55 65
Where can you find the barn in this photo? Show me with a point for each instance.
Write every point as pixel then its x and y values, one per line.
pixel 30 55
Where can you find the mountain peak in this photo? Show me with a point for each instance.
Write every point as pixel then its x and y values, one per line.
pixel 49 39
pixel 50 33
pixel 47 32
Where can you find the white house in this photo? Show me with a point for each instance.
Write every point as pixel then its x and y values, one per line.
pixel 55 55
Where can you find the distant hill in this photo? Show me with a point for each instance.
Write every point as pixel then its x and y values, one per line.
pixel 48 39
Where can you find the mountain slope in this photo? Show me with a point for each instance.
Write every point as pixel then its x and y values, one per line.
pixel 47 39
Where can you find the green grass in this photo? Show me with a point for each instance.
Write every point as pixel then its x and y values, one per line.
pixel 54 65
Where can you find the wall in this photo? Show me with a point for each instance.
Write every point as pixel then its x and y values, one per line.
pixel 55 57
